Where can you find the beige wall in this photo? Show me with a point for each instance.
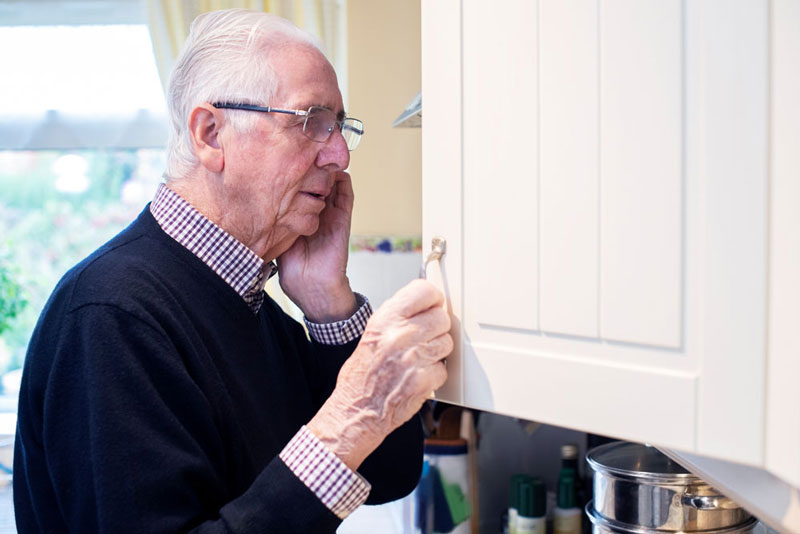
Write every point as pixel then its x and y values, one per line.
pixel 383 54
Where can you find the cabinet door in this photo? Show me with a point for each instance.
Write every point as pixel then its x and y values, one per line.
pixel 599 170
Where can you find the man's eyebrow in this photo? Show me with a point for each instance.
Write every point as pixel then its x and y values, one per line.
pixel 340 116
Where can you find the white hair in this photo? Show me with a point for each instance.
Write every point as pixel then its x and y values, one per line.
pixel 225 58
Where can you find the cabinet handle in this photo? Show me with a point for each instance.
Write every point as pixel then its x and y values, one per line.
pixel 438 249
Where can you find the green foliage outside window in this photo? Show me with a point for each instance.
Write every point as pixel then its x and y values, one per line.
pixel 46 228
pixel 12 300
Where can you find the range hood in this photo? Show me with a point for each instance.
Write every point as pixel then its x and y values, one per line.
pixel 764 495
pixel 412 116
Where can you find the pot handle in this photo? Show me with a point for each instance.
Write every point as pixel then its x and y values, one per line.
pixel 708 502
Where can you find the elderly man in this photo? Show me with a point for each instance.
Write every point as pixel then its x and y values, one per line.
pixel 163 391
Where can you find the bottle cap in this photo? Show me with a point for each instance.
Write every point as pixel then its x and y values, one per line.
pixel 569 452
pixel 513 489
pixel 566 489
pixel 532 498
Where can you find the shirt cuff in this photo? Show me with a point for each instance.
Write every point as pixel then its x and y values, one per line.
pixel 342 332
pixel 340 489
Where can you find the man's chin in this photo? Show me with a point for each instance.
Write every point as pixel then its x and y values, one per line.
pixel 310 227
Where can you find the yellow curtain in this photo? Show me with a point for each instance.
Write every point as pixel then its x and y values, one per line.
pixel 169 22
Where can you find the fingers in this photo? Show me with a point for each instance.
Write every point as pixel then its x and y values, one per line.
pixel 407 332
pixel 440 347
pixel 342 192
pixel 398 362
pixel 416 297
pixel 409 335
pixel 433 350
pixel 430 323
pixel 434 377
pixel 438 375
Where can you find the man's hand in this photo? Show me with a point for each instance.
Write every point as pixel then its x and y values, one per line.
pixel 313 272
pixel 394 369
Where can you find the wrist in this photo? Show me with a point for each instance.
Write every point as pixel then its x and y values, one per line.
pixel 345 431
pixel 330 305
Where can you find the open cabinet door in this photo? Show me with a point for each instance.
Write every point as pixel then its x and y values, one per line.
pixel 441 183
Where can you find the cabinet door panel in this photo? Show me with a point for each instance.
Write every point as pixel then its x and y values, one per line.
pixel 500 162
pixel 569 168
pixel 641 172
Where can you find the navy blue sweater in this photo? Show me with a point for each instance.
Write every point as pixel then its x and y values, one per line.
pixel 154 400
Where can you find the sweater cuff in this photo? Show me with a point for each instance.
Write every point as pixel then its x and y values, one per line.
pixel 342 332
pixel 336 485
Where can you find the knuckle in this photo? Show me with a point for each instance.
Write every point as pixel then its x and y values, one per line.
pixel 448 344
pixel 443 321
pixel 440 346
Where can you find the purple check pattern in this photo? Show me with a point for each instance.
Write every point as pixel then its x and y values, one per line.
pixel 339 488
pixel 342 332
pixel 239 266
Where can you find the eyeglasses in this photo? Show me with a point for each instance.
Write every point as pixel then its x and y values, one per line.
pixel 318 125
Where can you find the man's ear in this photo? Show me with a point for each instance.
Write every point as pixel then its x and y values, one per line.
pixel 205 127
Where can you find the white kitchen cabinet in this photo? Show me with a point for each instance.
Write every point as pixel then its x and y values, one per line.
pixel 618 182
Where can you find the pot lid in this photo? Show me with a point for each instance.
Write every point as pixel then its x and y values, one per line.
pixel 638 461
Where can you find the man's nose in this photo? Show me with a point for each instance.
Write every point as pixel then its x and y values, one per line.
pixel 334 152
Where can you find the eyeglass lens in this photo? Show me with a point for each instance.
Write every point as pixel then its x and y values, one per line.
pixel 320 123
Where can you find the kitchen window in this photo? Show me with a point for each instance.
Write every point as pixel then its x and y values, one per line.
pixel 82 136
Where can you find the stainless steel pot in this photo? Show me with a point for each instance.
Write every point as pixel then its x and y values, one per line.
pixel 635 486
pixel 601 525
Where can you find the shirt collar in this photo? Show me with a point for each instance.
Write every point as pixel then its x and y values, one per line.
pixel 241 268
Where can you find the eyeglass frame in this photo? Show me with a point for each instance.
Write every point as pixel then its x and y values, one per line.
pixel 300 113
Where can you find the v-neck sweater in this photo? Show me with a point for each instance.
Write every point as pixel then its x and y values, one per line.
pixel 154 400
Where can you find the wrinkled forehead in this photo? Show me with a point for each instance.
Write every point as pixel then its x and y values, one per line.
pixel 304 78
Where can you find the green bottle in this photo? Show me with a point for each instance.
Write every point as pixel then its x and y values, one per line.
pixel 567 515
pixel 513 500
pixel 532 507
